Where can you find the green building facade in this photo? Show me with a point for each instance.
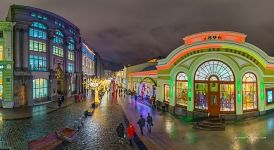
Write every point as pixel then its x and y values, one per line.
pixel 6 65
pixel 214 73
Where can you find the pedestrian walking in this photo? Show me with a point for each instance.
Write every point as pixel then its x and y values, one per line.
pixel 141 122
pixel 130 133
pixel 121 133
pixel 149 123
pixel 59 101
pixel 63 98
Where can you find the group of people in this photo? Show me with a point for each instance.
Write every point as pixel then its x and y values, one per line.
pixel 131 129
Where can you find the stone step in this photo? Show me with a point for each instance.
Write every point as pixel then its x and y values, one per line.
pixel 209 125
pixel 208 129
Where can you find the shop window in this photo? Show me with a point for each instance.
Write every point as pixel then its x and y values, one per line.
pixel 40 88
pixel 1 52
pixel 181 89
pixel 37 46
pixel 249 92
pixel 37 63
pixel 269 96
pixel 166 93
pixel 227 97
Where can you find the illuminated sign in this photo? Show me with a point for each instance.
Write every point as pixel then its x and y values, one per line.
pixel 215 35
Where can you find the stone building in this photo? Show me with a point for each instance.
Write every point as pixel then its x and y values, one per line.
pixel 47 56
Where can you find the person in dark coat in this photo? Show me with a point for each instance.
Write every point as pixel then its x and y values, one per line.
pixel 120 132
pixel 59 101
pixel 141 122
pixel 63 98
pixel 149 122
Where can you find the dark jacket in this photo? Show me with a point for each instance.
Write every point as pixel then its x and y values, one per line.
pixel 149 120
pixel 120 131
pixel 141 122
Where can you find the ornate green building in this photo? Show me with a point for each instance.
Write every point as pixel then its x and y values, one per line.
pixel 214 73
pixel 6 64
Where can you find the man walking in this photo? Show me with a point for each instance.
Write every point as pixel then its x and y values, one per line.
pixel 141 122
pixel 149 122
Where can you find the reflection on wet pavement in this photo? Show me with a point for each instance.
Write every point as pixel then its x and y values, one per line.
pixel 178 132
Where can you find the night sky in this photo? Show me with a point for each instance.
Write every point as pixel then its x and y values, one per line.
pixel 133 31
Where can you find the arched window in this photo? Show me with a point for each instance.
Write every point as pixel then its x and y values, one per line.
pixel 250 91
pixel 181 89
pixel 40 88
pixel 214 72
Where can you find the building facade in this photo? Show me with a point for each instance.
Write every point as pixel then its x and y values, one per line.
pixel 6 64
pixel 213 74
pixel 47 56
pixel 99 66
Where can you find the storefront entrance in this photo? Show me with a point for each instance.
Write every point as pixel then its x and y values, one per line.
pixel 214 96
pixel 214 88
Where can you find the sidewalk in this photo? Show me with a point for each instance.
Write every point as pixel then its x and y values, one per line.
pixel 29 112
pixel 175 133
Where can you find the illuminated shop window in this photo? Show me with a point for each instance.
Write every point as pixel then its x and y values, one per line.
pixel 1 52
pixel 1 85
pixel 269 96
pixel 40 88
pixel 166 93
pixel 58 51
pixel 71 55
pixel 250 91
pixel 181 89
pixel 214 76
pixel 70 67
pixel 227 97
pixel 37 46
pixel 37 63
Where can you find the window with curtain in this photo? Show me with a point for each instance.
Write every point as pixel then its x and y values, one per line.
pixel 181 89
pixel 250 101
pixel 40 88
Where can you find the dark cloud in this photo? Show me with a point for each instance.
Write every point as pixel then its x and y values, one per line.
pixel 132 31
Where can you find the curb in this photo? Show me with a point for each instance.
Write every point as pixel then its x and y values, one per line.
pixel 30 116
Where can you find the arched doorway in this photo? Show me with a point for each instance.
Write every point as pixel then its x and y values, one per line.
pixel 214 88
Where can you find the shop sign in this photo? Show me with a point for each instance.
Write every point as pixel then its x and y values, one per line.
pixel 215 35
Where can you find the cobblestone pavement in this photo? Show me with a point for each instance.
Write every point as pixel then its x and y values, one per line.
pixel 98 131
pixel 16 133
pixel 176 133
